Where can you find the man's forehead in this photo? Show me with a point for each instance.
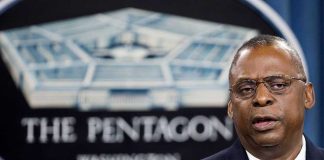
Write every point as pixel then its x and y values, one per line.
pixel 262 61
pixel 267 50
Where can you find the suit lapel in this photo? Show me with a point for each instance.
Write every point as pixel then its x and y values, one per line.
pixel 237 151
pixel 313 152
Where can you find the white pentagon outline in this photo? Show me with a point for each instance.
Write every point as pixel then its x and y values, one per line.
pixel 6 4
pixel 281 25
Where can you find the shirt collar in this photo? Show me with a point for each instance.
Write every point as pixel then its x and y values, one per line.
pixel 301 155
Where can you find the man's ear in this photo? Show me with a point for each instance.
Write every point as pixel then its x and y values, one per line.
pixel 309 96
pixel 230 109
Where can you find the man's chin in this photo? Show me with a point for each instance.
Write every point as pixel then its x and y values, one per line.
pixel 267 140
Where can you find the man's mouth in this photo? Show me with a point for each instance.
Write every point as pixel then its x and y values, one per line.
pixel 264 123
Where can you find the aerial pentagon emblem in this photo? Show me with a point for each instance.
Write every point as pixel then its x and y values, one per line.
pixel 128 59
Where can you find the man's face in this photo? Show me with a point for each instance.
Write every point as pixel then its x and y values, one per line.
pixel 267 119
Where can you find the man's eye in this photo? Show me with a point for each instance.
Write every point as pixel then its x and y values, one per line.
pixel 278 86
pixel 245 90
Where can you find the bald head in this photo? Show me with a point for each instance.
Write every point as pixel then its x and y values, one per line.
pixel 268 40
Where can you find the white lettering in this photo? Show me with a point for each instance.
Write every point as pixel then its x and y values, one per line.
pixel 156 129
pixel 31 123
pixel 94 127
pixel 60 129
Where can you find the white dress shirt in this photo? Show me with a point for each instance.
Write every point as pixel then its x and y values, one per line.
pixel 301 155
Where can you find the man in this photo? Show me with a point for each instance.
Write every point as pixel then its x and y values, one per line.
pixel 269 93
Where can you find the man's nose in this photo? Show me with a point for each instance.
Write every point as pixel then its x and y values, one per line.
pixel 262 96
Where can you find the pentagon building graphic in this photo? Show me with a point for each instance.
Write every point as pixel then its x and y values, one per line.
pixel 128 59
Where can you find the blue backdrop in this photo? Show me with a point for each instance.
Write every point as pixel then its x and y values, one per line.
pixel 306 18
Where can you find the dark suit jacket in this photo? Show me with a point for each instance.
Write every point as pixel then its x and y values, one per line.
pixel 237 152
